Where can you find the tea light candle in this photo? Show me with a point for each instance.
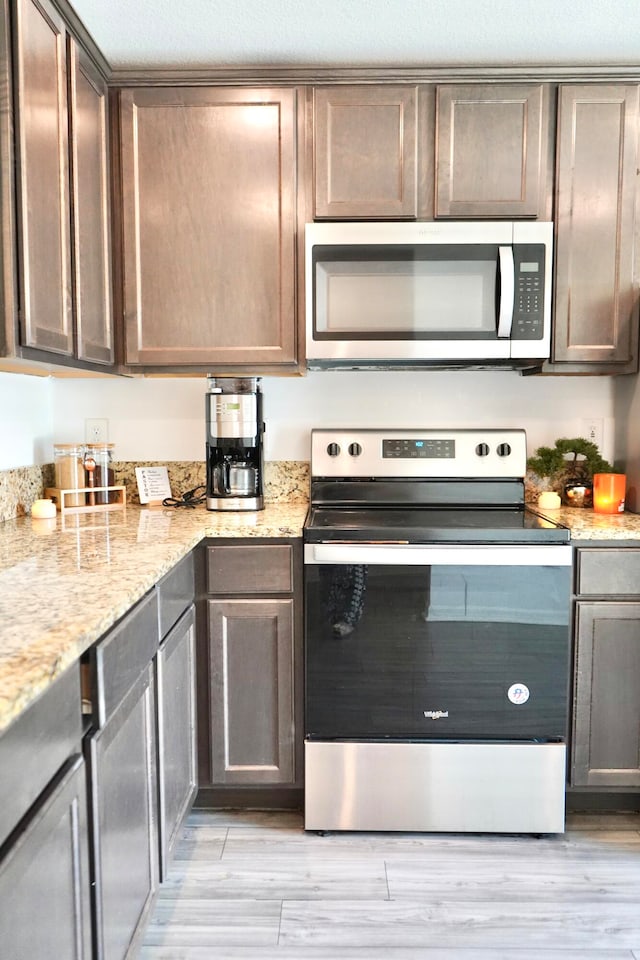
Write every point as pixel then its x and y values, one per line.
pixel 43 510
pixel 548 500
pixel 608 492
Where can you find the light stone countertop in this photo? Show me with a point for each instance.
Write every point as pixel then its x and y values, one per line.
pixel 61 589
pixel 587 525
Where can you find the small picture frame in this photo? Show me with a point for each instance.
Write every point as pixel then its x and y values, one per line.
pixel 153 485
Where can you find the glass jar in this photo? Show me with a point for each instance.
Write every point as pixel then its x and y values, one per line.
pixel 69 471
pixel 101 473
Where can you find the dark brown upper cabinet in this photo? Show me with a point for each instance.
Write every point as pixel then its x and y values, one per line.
pixel 209 226
pixel 62 191
pixel 596 290
pixel 91 260
pixel 44 212
pixel 365 152
pixel 492 146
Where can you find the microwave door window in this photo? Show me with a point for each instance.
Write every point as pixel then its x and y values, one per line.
pixel 405 298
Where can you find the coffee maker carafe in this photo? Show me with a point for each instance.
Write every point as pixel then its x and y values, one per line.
pixel 234 443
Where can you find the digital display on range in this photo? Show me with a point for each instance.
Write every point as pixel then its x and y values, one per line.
pixel 419 449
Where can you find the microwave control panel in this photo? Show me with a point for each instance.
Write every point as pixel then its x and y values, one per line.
pixel 528 304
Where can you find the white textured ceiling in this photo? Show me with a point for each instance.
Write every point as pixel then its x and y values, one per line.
pixel 362 33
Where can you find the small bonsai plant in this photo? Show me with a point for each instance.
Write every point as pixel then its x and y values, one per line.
pixel 568 467
pixel 578 457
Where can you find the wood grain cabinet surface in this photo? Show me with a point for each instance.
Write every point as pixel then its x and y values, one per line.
pixel 209 224
pixel 596 288
pixel 44 855
pixel 606 712
pixel 62 191
pixel 124 833
pixel 176 703
pixel 44 878
pixel 365 152
pixel 250 668
pixel 491 150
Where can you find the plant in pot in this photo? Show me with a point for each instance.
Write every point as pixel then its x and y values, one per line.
pixel 569 467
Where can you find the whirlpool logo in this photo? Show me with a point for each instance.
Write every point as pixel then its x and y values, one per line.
pixel 435 714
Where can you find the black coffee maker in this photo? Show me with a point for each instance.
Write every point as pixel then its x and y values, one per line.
pixel 234 444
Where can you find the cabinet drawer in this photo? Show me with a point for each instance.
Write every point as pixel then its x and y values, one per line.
pixel 124 653
pixel 175 594
pixel 254 569
pixel 36 745
pixel 603 572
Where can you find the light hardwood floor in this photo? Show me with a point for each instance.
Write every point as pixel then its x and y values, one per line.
pixel 255 886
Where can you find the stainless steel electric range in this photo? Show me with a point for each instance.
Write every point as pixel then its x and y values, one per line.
pixel 437 610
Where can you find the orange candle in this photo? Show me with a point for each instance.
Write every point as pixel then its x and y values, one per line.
pixel 608 492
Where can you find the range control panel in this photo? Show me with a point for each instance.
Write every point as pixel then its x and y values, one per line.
pixel 422 454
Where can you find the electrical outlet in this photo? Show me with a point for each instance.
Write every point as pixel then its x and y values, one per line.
pixel 96 431
pixel 592 429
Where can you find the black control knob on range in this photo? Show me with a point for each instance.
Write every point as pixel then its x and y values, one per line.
pixel 355 449
pixel 333 449
pixel 504 449
pixel 482 450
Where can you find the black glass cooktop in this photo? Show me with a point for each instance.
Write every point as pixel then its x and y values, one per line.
pixel 432 525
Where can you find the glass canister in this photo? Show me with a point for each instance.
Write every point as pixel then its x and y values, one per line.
pixel 98 458
pixel 69 471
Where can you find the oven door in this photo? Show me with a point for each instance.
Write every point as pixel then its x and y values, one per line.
pixel 433 643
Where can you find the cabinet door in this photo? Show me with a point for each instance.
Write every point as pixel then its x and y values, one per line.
pixel 42 172
pixel 209 226
pixel 365 142
pixel 91 235
pixel 251 691
pixel 596 308
pixel 606 722
pixel 176 732
pixel 124 821
pixel 490 160
pixel 44 878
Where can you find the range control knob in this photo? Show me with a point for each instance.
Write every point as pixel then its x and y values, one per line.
pixel 333 450
pixel 482 450
pixel 355 449
pixel 504 449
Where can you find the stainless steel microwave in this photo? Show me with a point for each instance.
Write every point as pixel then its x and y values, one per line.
pixel 439 294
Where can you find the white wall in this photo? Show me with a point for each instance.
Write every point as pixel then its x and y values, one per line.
pixel 163 419
pixel 26 420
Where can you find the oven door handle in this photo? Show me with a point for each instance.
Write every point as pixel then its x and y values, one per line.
pixel 498 555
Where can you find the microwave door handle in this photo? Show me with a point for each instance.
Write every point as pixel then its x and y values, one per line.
pixel 507 291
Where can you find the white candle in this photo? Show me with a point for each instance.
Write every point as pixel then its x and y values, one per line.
pixel 43 509
pixel 548 500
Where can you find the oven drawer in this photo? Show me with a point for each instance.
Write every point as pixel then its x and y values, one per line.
pixel 478 787
pixel 604 572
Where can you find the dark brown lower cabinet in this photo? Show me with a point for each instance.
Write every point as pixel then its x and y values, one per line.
pixel 250 666
pixel 177 773
pixel 606 725
pixel 44 877
pixel 122 762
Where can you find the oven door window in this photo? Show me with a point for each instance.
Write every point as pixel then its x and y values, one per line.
pixel 436 652
pixel 406 293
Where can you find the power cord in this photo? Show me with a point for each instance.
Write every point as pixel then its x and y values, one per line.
pixel 189 499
